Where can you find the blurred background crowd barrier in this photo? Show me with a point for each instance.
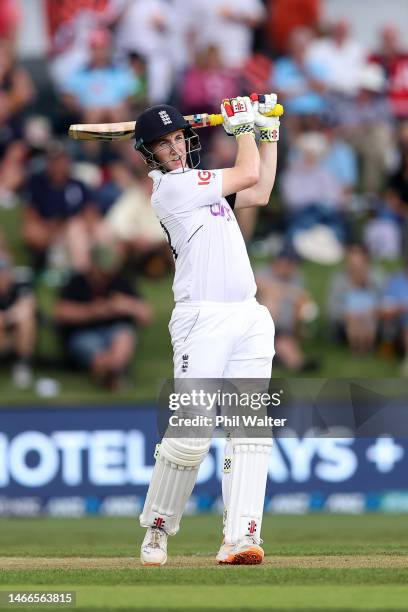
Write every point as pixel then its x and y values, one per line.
pixel 85 271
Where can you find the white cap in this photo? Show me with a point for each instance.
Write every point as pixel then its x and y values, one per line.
pixel 318 244
pixel 372 78
pixel 312 143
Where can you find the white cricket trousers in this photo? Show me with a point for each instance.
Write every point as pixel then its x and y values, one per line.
pixel 215 341
pixel 222 340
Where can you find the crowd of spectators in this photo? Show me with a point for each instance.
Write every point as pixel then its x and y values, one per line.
pixel 341 194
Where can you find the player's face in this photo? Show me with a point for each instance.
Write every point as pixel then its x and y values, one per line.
pixel 171 150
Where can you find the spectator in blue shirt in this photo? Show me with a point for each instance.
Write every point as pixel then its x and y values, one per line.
pixel 341 158
pixel 354 300
pixel 100 91
pixel 300 82
pixel 395 312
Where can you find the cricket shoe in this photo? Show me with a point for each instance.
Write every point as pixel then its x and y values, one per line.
pixel 245 552
pixel 154 548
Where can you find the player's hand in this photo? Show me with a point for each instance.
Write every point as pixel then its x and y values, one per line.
pixel 238 115
pixel 268 126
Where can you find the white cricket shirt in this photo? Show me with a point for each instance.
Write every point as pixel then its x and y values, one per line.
pixel 209 251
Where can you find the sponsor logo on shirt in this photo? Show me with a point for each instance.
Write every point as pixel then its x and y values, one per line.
pixel 219 210
pixel 204 177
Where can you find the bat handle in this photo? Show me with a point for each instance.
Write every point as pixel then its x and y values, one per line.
pixel 214 120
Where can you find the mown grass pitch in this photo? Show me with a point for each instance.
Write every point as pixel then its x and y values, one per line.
pixel 315 562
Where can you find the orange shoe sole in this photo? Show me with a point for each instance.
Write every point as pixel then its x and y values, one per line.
pixel 251 556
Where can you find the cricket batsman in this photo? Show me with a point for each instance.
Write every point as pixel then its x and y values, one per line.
pixel 217 328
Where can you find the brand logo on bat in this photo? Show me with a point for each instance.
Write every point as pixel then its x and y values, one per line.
pixel 165 117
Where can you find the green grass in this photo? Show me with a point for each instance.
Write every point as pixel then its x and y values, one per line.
pixel 312 534
pixel 243 597
pixel 357 556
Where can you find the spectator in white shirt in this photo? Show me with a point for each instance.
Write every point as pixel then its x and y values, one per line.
pixel 311 192
pixel 343 57
pixel 144 28
pixel 229 25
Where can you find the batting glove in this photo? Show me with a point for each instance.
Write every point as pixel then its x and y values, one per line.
pixel 238 116
pixel 268 126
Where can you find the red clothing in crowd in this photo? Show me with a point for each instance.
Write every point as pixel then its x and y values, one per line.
pixel 396 70
pixel 286 15
pixel 10 15
pixel 205 87
pixel 61 11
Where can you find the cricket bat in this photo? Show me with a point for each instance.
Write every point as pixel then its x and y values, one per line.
pixel 126 130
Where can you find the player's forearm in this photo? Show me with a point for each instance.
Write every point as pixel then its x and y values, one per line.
pixel 268 153
pixel 248 159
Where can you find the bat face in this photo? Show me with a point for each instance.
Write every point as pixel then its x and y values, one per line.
pixel 102 131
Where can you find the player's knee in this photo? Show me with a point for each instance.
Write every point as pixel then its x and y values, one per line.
pixel 186 452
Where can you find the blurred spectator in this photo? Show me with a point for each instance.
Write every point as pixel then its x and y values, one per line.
pixel 144 28
pixel 16 92
pixel 281 289
pixel 181 35
pixel 366 122
pixel 284 16
pixel 396 195
pixel 382 231
pixel 393 58
pixel 57 212
pixel 207 82
pixel 10 17
pixel 311 191
pixel 341 159
pixel 16 88
pixel 342 57
pixel 354 300
pixel 12 172
pixel 255 73
pixel 98 313
pixel 229 25
pixel 100 91
pixel 139 99
pixel 70 50
pixel 17 322
pixel 395 313
pixel 130 222
pixel 298 80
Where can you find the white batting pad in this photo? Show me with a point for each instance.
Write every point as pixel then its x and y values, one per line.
pixel 244 488
pixel 173 479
